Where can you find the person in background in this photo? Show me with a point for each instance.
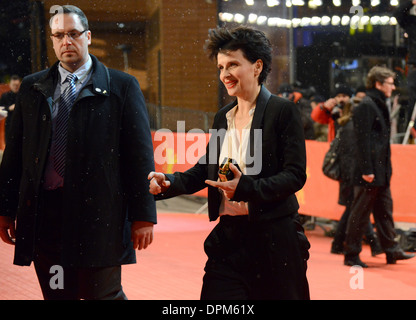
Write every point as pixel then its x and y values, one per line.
pixel 74 173
pixel 373 170
pixel 304 105
pixel 329 111
pixel 406 17
pixel 8 100
pixel 258 249
pixel 347 156
pixel 321 130
pixel 359 94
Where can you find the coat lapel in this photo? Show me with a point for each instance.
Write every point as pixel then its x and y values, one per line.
pixel 254 151
pixel 262 101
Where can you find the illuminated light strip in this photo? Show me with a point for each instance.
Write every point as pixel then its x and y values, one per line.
pixel 307 21
pixel 317 3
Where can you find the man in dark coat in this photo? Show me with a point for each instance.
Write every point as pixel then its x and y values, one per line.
pixel 88 220
pixel 373 171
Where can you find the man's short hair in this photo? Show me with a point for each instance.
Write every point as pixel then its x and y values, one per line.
pixel 15 77
pixel 67 9
pixel 378 74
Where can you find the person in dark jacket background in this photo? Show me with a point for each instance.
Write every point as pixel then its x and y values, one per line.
pixel 88 214
pixel 347 157
pixel 328 111
pixel 373 171
pixel 8 101
pixel 406 17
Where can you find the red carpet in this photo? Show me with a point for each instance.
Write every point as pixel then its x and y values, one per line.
pixel 172 268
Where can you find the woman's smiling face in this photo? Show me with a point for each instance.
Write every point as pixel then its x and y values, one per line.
pixel 238 74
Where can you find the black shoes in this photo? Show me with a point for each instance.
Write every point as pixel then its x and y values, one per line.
pixel 354 261
pixel 337 248
pixel 374 245
pixel 392 257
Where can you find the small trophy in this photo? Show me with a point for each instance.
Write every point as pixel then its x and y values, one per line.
pixel 225 173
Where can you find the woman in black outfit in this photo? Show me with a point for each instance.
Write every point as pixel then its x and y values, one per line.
pixel 258 249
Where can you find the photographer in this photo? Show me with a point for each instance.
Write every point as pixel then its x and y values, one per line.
pixel 329 111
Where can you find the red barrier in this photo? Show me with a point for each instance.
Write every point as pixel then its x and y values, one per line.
pixel 319 196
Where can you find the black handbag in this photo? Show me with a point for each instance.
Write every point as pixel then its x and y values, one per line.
pixel 331 166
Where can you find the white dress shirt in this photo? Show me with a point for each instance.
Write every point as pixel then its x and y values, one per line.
pixel 233 148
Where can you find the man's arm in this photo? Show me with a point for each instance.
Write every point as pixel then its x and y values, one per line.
pixel 137 162
pixel 322 112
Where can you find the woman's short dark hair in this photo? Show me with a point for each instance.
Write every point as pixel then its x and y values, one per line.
pixel 67 9
pixel 253 43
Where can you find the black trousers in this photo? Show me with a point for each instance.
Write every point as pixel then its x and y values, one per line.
pixel 340 232
pixel 366 200
pixel 68 283
pixel 256 260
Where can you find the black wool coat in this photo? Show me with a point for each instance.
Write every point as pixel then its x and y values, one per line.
pixel 109 155
pixel 371 120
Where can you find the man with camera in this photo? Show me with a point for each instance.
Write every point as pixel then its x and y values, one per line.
pixel 330 110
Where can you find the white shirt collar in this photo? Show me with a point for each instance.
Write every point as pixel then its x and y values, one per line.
pixel 231 113
pixel 81 72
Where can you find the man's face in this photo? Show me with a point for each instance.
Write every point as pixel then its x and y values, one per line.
pixel 14 85
pixel 342 98
pixel 360 95
pixel 72 51
pixel 387 86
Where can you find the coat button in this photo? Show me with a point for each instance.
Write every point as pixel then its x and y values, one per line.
pixel 44 117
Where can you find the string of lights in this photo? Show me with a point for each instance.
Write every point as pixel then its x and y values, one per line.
pixel 355 19
pixel 315 3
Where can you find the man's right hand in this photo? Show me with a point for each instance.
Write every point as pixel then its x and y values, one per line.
pixel 330 104
pixel 368 177
pixel 7 225
pixel 158 183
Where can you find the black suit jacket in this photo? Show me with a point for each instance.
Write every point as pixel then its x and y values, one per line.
pixel 109 155
pixel 371 120
pixel 270 191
